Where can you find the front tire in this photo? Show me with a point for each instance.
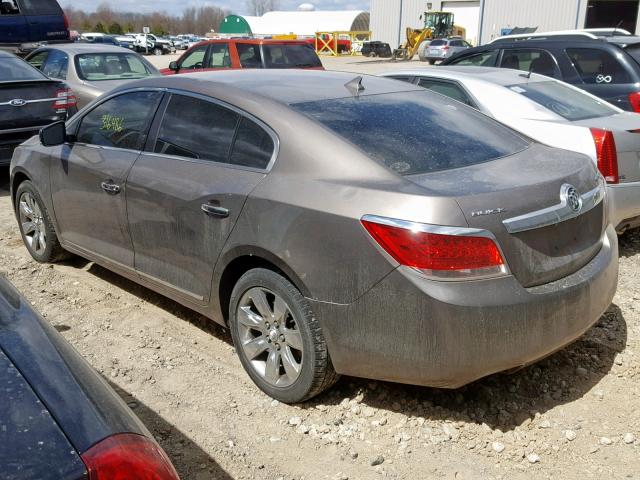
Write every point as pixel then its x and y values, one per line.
pixel 36 227
pixel 278 339
pixel 157 51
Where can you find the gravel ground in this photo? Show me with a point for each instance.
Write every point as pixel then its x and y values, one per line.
pixel 573 415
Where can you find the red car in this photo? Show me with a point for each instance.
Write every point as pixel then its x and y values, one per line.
pixel 245 53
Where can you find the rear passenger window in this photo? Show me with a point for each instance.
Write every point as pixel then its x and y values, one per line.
pixel 597 66
pixel 120 122
pixel 56 65
pixel 530 60
pixel 196 128
pixel 447 89
pixel 249 55
pixel 484 59
pixel 253 146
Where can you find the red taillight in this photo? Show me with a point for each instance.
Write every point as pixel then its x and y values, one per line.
pixel 438 254
pixel 607 154
pixel 66 21
pixel 634 100
pixel 445 48
pixel 65 99
pixel 126 457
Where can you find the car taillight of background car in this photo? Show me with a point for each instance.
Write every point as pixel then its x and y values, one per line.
pixel 65 99
pixel 607 154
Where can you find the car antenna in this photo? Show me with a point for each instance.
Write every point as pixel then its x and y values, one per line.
pixel 618 26
pixel 355 86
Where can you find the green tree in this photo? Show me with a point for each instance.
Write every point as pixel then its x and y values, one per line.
pixel 115 28
pixel 100 28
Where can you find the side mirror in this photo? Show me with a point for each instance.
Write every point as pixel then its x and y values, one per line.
pixel 54 134
pixel 174 66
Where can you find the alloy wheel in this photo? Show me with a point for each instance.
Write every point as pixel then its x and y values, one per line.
pixel 269 336
pixel 32 222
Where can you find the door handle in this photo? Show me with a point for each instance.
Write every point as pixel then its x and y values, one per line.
pixel 110 188
pixel 215 210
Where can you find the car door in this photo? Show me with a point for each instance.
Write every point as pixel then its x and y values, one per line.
pixel 88 175
pixel 602 74
pixel 186 191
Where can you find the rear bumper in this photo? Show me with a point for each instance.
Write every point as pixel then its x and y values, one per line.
pixel 445 334
pixel 625 204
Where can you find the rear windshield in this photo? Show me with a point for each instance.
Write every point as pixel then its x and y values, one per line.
pixel 15 70
pixel 564 101
pixel 634 51
pixel 416 132
pixel 437 43
pixel 111 66
pixel 290 56
pixel 40 7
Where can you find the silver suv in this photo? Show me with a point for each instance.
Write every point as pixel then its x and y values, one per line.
pixel 442 48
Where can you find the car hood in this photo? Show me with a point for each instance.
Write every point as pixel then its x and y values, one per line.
pixel 60 377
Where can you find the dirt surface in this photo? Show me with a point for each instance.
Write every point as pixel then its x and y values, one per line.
pixel 573 415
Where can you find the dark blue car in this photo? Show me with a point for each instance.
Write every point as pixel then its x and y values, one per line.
pixel 25 24
pixel 59 420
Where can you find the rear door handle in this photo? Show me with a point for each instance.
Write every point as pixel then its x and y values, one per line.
pixel 215 210
pixel 110 187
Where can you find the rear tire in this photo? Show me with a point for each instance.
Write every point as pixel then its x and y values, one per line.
pixel 36 227
pixel 431 62
pixel 278 339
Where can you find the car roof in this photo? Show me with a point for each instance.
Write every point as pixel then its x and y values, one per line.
pixel 287 86
pixel 77 48
pixel 498 76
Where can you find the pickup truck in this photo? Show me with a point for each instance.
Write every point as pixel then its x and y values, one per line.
pixel 151 44
pixel 26 25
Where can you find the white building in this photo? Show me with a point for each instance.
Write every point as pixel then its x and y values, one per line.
pixel 487 19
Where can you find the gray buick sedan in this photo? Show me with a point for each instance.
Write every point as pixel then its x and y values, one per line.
pixel 309 213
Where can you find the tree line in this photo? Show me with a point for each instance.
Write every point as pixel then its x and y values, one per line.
pixel 196 20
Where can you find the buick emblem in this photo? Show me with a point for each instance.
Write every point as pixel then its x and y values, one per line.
pixel 18 102
pixel 569 194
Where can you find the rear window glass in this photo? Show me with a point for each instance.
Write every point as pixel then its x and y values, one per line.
pixel 597 66
pixel 564 101
pixel 484 59
pixel 437 43
pixel 634 51
pixel 416 132
pixel 17 70
pixel 41 7
pixel 111 66
pixel 290 56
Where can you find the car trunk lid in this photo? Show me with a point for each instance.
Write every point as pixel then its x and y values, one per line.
pixel 29 104
pixel 517 185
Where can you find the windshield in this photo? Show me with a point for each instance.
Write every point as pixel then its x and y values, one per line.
pixel 18 70
pixel 112 66
pixel 290 56
pixel 564 101
pixel 416 132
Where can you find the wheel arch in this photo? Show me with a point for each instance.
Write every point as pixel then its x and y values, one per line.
pixel 17 178
pixel 240 260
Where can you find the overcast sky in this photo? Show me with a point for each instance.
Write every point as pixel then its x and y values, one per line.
pixel 237 6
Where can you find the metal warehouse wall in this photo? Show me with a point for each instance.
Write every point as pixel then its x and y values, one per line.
pixel 545 14
pixel 385 17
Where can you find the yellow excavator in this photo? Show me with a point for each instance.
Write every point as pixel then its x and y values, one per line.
pixel 436 25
